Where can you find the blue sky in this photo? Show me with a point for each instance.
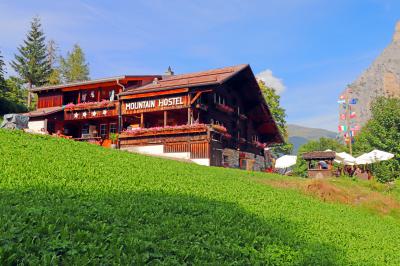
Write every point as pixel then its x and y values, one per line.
pixel 314 47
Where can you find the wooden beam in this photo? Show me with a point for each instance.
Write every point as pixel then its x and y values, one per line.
pixel 165 118
pixel 198 94
pixel 154 93
pixel 141 120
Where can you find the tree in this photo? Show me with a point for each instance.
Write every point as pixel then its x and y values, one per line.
pixel 52 55
pixel 279 115
pixel 3 87
pixel 15 91
pixel 74 67
pixel 382 132
pixel 32 64
pixel 315 145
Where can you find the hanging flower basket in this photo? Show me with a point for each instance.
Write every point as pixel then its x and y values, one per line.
pixel 227 136
pixel 259 144
pixel 224 108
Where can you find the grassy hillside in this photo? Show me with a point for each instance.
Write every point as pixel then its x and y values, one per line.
pixel 64 202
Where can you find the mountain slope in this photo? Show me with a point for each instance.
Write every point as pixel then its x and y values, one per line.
pixel 64 202
pixel 299 135
pixel 381 78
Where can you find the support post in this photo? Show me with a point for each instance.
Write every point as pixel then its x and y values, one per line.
pixel 189 116
pixel 165 118
pixel 141 120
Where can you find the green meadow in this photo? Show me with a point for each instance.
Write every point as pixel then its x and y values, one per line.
pixel 69 203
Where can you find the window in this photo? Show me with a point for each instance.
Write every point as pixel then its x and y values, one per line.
pixel 85 129
pixel 103 130
pixel 113 128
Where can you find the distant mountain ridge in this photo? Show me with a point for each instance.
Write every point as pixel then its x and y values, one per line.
pixel 299 135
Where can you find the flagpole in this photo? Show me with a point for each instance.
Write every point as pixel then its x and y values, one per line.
pixel 347 104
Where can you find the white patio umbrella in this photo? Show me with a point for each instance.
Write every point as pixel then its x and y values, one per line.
pixel 285 161
pixel 364 159
pixel 378 155
pixel 345 158
pixel 373 157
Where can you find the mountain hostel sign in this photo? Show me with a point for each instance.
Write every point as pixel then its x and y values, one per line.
pixel 150 105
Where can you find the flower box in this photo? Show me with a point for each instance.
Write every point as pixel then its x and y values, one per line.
pixel 224 108
pixel 89 106
pixel 219 128
pixel 182 129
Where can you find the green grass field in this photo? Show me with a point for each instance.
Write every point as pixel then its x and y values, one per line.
pixel 64 202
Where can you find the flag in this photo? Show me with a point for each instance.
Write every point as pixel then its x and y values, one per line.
pixel 353 101
pixel 352 114
pixel 342 128
pixel 341 97
pixel 341 101
pixel 343 116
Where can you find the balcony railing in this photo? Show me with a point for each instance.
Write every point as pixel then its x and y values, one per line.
pixel 91 110
pixel 168 130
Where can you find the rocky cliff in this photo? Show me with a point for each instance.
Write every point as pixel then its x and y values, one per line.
pixel 382 78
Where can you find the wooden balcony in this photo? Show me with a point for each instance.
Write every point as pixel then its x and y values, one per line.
pixel 164 131
pixel 94 110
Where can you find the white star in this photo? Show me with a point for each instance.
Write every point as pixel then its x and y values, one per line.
pixel 84 114
pixel 76 115
pixel 104 112
pixel 94 113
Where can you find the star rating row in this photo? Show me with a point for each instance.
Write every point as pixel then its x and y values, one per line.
pixel 85 114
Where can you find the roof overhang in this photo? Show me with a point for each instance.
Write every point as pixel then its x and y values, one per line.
pixel 110 80
pixel 45 111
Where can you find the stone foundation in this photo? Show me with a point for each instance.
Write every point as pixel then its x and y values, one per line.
pixel 250 161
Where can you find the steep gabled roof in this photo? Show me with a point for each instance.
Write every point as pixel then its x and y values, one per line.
pixel 202 78
pixel 93 82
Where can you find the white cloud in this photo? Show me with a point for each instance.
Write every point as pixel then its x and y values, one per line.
pixel 271 81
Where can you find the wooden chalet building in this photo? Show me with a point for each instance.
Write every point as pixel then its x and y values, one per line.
pixel 217 117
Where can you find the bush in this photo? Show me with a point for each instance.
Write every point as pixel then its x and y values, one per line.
pixel 8 107
pixel 382 132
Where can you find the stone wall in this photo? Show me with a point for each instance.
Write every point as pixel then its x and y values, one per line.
pixel 231 158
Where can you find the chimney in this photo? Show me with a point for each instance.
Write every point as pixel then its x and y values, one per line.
pixel 396 36
pixel 169 72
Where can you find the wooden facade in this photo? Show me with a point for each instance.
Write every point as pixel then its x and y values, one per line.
pixel 214 117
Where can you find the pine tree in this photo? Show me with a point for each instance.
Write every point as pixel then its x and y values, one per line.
pixel 74 67
pixel 55 74
pixel 32 63
pixel 3 88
